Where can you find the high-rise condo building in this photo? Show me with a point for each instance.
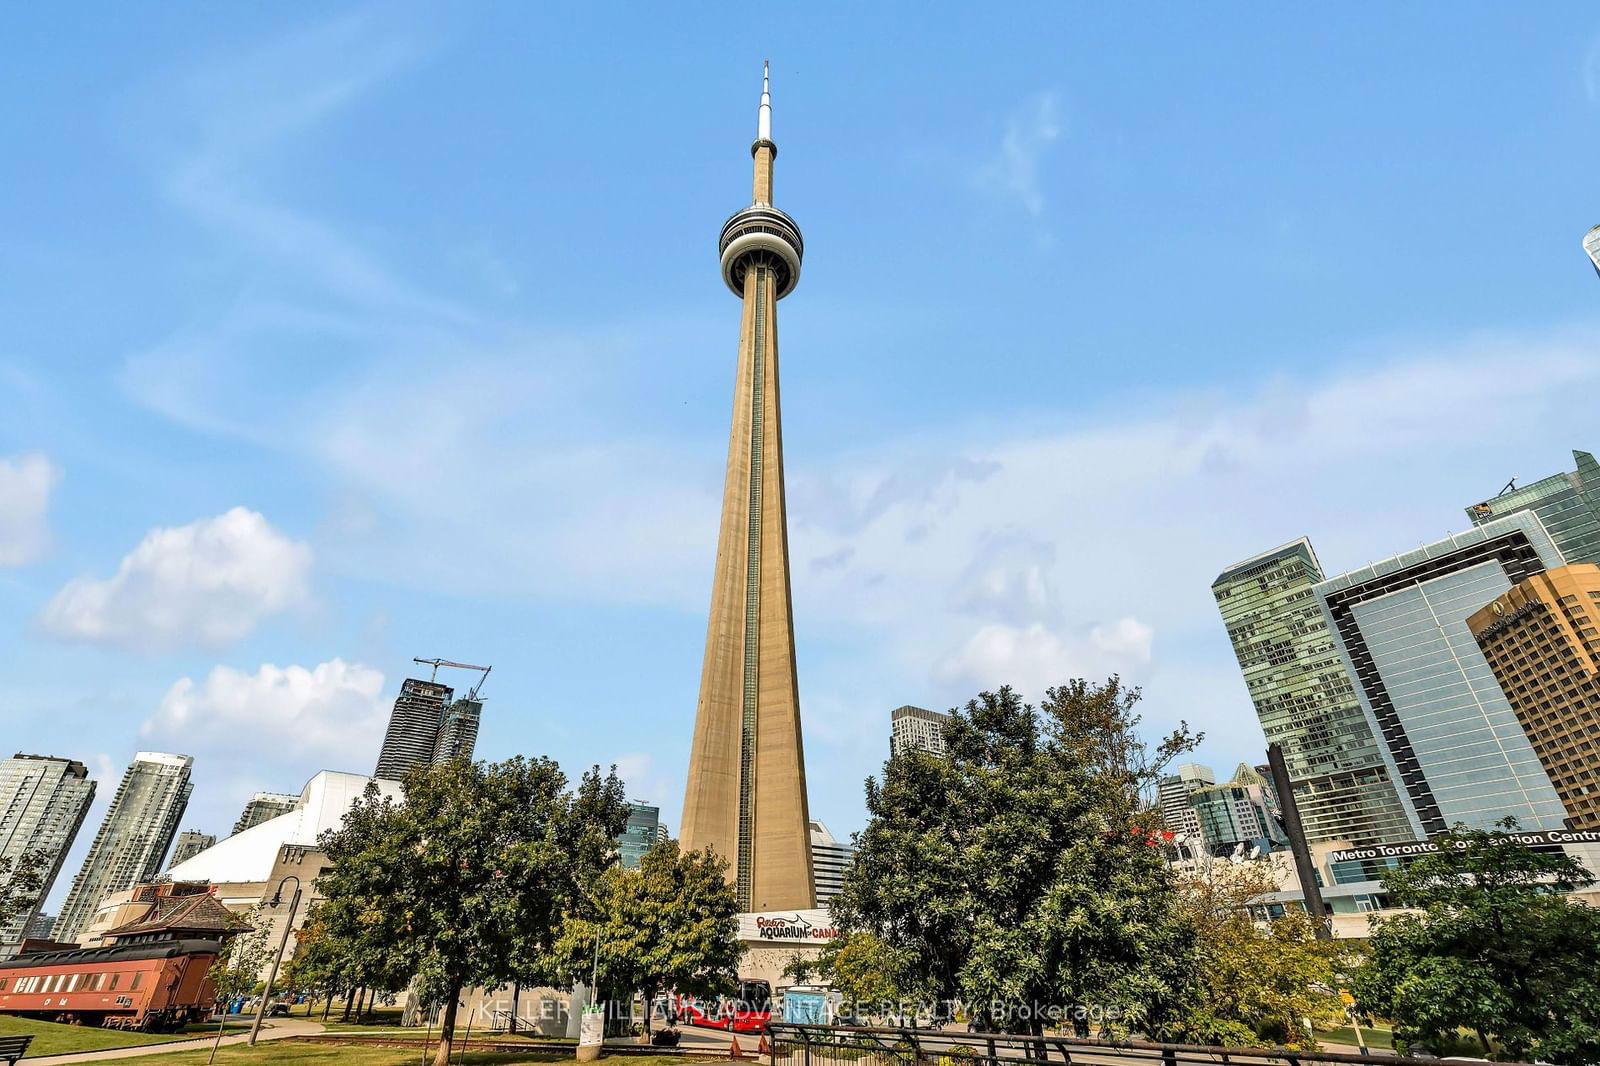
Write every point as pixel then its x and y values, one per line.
pixel 1568 505
pixel 42 927
pixel 1591 247
pixel 1172 796
pixel 413 727
pixel 189 843
pixel 1542 640
pixel 746 791
pixel 829 858
pixel 42 804
pixel 917 729
pixel 262 807
pixel 458 730
pixel 133 839
pixel 1304 698
pixel 1459 752
pixel 640 834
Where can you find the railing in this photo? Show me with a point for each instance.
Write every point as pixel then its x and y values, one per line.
pixel 839 1045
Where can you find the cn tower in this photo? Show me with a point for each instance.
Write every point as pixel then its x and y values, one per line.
pixel 746 794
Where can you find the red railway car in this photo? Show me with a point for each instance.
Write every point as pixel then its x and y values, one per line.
pixel 156 986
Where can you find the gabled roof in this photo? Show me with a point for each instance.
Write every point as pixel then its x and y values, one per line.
pixel 199 913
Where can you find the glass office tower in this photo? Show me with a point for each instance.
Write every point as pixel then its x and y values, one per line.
pixel 640 835
pixel 1303 695
pixel 1568 506
pixel 1460 752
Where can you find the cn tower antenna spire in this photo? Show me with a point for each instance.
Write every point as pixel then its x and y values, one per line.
pixel 764 123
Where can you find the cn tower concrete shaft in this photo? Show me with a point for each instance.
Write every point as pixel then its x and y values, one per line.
pixel 746 794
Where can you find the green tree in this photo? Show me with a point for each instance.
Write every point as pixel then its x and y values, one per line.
pixel 868 973
pixel 1018 873
pixel 582 847
pixel 239 967
pixel 668 924
pixel 21 881
pixel 1494 947
pixel 452 882
pixel 1257 981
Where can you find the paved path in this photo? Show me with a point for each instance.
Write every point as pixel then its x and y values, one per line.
pixel 277 1029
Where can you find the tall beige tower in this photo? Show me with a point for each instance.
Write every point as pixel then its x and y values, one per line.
pixel 746 796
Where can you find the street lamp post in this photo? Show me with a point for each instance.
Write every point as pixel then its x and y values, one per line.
pixel 288 923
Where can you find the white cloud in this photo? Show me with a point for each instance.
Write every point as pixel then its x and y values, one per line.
pixel 325 711
pixel 1013 173
pixel 209 582
pixel 1090 534
pixel 25 485
pixel 1126 637
pixel 1034 657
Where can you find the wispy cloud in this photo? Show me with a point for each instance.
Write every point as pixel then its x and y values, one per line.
pixel 26 482
pixel 1014 170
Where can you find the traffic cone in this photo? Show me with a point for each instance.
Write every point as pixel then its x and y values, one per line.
pixel 764 1048
pixel 736 1052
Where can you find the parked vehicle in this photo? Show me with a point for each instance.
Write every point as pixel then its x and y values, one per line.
pixel 748 1010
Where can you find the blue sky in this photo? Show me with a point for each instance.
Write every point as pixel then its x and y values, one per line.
pixel 333 337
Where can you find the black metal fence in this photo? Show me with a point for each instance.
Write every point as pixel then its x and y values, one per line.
pixel 837 1045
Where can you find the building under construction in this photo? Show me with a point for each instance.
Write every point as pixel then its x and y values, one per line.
pixel 428 725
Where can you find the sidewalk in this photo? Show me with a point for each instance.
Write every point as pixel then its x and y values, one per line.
pixel 277 1029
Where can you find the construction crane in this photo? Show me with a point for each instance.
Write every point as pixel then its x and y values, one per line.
pixel 436 663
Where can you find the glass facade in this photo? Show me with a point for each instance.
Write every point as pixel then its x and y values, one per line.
pixel 1568 506
pixel 1460 753
pixel 458 730
pixel 1591 246
pixel 42 804
pixel 1241 811
pixel 1304 698
pixel 134 838
pixel 641 833
pixel 1542 640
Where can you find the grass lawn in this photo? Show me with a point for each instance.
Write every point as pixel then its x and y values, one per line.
pixel 421 1032
pixel 1374 1036
pixel 295 1053
pixel 52 1039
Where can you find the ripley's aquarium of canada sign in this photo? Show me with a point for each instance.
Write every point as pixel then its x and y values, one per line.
pixel 788 927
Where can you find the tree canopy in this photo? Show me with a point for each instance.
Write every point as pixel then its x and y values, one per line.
pixel 1495 947
pixel 1258 981
pixel 21 881
pixel 668 924
pixel 465 880
pixel 1018 875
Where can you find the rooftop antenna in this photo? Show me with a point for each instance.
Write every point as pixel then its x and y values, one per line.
pixel 1510 487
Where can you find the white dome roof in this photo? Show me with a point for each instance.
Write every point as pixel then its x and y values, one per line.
pixel 250 855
